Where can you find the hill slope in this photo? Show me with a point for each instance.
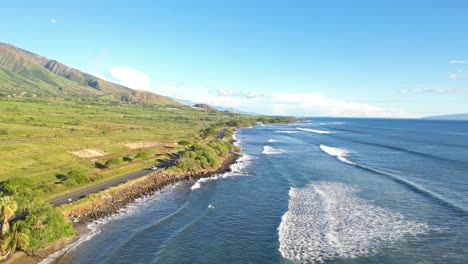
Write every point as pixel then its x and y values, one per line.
pixel 449 117
pixel 23 73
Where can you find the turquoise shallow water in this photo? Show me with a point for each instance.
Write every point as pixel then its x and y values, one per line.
pixel 329 190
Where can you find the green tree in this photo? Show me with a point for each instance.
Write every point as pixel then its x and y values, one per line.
pixel 8 207
pixel 46 225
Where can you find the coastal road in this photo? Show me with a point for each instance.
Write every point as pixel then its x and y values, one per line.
pixel 71 197
pixel 67 198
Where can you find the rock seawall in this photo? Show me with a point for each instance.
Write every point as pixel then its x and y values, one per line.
pixel 111 201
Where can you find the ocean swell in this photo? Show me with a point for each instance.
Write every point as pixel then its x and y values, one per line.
pixel 313 130
pixel 339 153
pixel 327 220
pixel 267 150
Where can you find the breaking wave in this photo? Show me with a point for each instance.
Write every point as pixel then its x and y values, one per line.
pixel 274 140
pixel 286 131
pixel 327 220
pixel 313 130
pixel 237 169
pixel 340 154
pixel 267 150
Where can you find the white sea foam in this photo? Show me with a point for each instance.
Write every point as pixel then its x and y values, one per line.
pixel 286 131
pixel 327 220
pixel 274 140
pixel 339 153
pixel 237 169
pixel 313 130
pixel 267 150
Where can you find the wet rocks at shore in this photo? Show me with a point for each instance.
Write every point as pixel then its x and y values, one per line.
pixel 112 201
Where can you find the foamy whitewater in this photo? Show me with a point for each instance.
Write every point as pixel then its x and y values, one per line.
pixel 286 131
pixel 327 220
pixel 267 150
pixel 274 140
pixel 237 169
pixel 313 130
pixel 340 154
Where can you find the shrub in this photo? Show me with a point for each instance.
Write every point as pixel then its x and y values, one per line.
pixel 144 154
pixel 75 177
pixel 184 143
pixel 114 162
pixel 46 225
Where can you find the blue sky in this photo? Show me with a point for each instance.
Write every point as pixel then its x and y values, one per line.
pixel 308 58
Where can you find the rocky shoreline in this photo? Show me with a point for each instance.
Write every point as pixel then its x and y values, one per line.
pixel 112 201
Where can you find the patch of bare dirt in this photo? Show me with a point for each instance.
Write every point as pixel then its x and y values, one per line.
pixel 88 153
pixel 142 144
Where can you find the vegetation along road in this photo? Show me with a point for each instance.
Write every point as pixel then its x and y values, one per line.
pixel 71 197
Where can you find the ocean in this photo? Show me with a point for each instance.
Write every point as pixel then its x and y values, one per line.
pixel 330 190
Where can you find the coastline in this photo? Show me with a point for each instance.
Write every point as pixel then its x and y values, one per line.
pixel 108 203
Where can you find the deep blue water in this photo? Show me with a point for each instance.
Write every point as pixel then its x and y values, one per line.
pixel 333 191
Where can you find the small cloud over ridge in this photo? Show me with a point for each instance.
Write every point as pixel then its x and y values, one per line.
pixel 128 77
pixel 457 61
pixel 436 90
pixel 231 93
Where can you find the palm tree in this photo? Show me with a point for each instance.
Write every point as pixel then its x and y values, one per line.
pixel 5 248
pixel 19 236
pixel 8 207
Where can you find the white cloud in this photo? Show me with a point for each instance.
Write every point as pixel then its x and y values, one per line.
pixel 229 93
pixel 457 61
pixel 252 95
pixel 314 104
pixel 102 76
pixel 298 104
pixel 53 20
pixel 436 90
pixel 458 76
pixel 127 77
pixel 246 95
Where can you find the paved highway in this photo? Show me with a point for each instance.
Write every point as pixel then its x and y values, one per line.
pixel 71 197
pixel 67 198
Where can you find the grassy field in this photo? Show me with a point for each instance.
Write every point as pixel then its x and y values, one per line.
pixel 38 136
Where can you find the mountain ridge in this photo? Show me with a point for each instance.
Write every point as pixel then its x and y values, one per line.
pixel 35 75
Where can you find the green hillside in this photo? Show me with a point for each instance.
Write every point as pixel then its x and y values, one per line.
pixel 25 74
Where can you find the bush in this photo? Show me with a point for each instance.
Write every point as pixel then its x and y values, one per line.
pixel 127 159
pixel 3 132
pixel 184 143
pixel 144 154
pixel 203 156
pixel 46 225
pixel 114 162
pixel 75 177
